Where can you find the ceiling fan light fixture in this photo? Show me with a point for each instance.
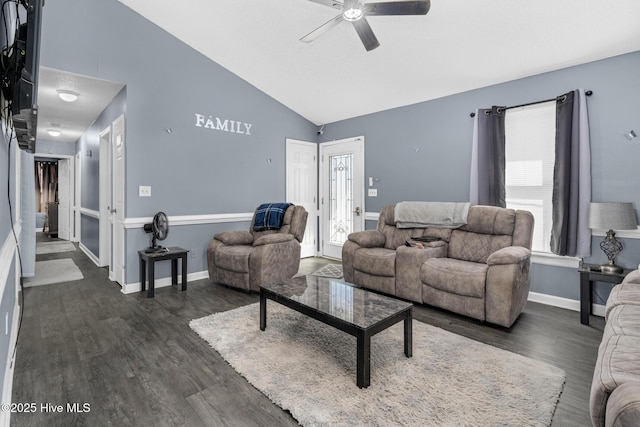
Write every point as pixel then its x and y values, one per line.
pixel 353 10
pixel 67 95
pixel 352 14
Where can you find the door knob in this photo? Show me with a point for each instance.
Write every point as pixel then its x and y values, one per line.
pixel 357 211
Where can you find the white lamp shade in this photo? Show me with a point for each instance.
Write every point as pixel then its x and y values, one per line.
pixel 612 216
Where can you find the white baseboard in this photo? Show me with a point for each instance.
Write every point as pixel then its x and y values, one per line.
pixel 90 254
pixel 131 288
pixel 569 304
pixel 7 387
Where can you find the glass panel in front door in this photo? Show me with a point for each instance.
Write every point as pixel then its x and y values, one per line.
pixel 340 198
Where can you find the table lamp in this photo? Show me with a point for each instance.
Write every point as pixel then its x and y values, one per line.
pixel 612 216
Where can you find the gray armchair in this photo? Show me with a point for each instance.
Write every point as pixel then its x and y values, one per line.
pixel 248 259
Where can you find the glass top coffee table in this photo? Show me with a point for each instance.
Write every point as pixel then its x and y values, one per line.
pixel 344 306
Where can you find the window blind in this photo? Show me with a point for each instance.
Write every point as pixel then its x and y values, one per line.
pixel 529 162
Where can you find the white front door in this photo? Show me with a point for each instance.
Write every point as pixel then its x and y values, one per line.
pixel 116 269
pixel 302 187
pixel 64 199
pixel 342 202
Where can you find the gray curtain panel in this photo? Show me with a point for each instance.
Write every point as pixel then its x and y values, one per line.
pixel 570 234
pixel 487 158
pixel 46 181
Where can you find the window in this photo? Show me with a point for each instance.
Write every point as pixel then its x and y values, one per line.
pixel 529 162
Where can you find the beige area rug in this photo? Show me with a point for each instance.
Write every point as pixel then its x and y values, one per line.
pixel 54 247
pixel 54 271
pixel 308 368
pixel 333 271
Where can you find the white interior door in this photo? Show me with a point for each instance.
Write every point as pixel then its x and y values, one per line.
pixel 302 187
pixel 342 202
pixel 76 202
pixel 105 197
pixel 64 199
pixel 116 269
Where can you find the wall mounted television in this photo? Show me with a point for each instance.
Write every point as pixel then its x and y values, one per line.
pixel 19 60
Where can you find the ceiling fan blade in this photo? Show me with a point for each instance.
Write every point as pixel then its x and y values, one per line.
pixel 398 8
pixel 330 3
pixel 322 29
pixel 366 34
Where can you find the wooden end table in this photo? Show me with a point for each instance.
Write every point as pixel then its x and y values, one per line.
pixel 150 258
pixel 590 273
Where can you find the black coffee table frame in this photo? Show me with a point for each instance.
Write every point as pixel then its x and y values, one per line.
pixel 363 335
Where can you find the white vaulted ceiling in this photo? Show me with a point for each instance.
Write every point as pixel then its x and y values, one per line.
pixel 458 46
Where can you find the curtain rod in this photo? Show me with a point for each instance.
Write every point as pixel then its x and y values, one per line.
pixel 588 93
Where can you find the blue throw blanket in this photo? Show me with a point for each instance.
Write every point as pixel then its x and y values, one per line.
pixel 269 216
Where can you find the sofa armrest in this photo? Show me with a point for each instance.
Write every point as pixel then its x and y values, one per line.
pixel 509 255
pixel 633 277
pixel 274 259
pixel 268 239
pixel 507 285
pixel 368 238
pixel 232 238
pixel 623 406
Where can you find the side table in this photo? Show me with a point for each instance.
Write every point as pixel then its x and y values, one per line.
pixel 590 273
pixel 148 260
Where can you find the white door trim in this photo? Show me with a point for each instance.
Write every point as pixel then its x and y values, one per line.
pixel 117 193
pixel 65 191
pixel 74 183
pixel 76 200
pixel 104 195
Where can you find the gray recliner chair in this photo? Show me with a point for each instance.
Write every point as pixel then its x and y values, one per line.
pixel 248 259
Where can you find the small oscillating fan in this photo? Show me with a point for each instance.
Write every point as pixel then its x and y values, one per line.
pixel 159 227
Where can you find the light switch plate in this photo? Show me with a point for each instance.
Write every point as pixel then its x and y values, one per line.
pixel 373 192
pixel 144 191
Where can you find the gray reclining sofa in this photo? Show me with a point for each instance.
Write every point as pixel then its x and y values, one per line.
pixel 480 269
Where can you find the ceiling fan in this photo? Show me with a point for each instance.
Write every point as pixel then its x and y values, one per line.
pixel 356 12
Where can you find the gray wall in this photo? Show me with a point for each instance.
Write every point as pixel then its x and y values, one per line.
pixel 191 170
pixel 89 142
pixel 442 130
pixel 194 170
pixel 47 146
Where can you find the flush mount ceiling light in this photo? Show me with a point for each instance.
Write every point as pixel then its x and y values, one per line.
pixel 54 132
pixel 67 95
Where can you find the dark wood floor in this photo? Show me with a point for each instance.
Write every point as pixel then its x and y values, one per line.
pixel 135 361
